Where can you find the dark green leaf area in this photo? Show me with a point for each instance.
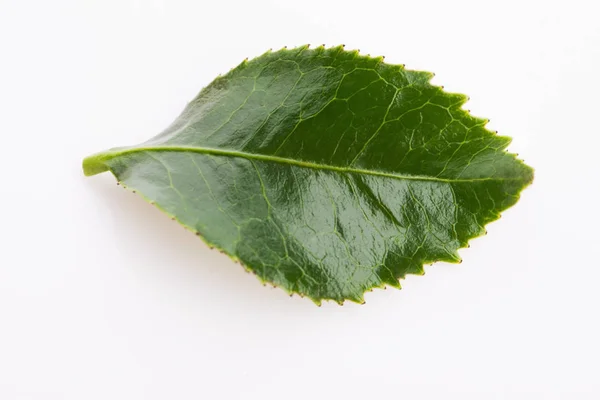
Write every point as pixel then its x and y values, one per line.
pixel 325 172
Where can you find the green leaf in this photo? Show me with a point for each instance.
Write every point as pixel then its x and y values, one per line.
pixel 325 172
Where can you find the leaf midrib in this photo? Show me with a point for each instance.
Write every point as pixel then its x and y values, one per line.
pixel 99 158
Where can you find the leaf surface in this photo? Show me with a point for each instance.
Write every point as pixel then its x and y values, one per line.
pixel 325 172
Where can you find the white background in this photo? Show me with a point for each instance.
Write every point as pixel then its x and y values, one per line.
pixel 103 297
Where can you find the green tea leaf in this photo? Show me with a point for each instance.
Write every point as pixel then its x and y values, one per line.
pixel 325 172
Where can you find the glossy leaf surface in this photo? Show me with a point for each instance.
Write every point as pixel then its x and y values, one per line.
pixel 325 172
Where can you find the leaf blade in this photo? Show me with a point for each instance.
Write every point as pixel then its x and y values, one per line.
pixel 263 178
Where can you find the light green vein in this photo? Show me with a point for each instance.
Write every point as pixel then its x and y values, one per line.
pixel 97 163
